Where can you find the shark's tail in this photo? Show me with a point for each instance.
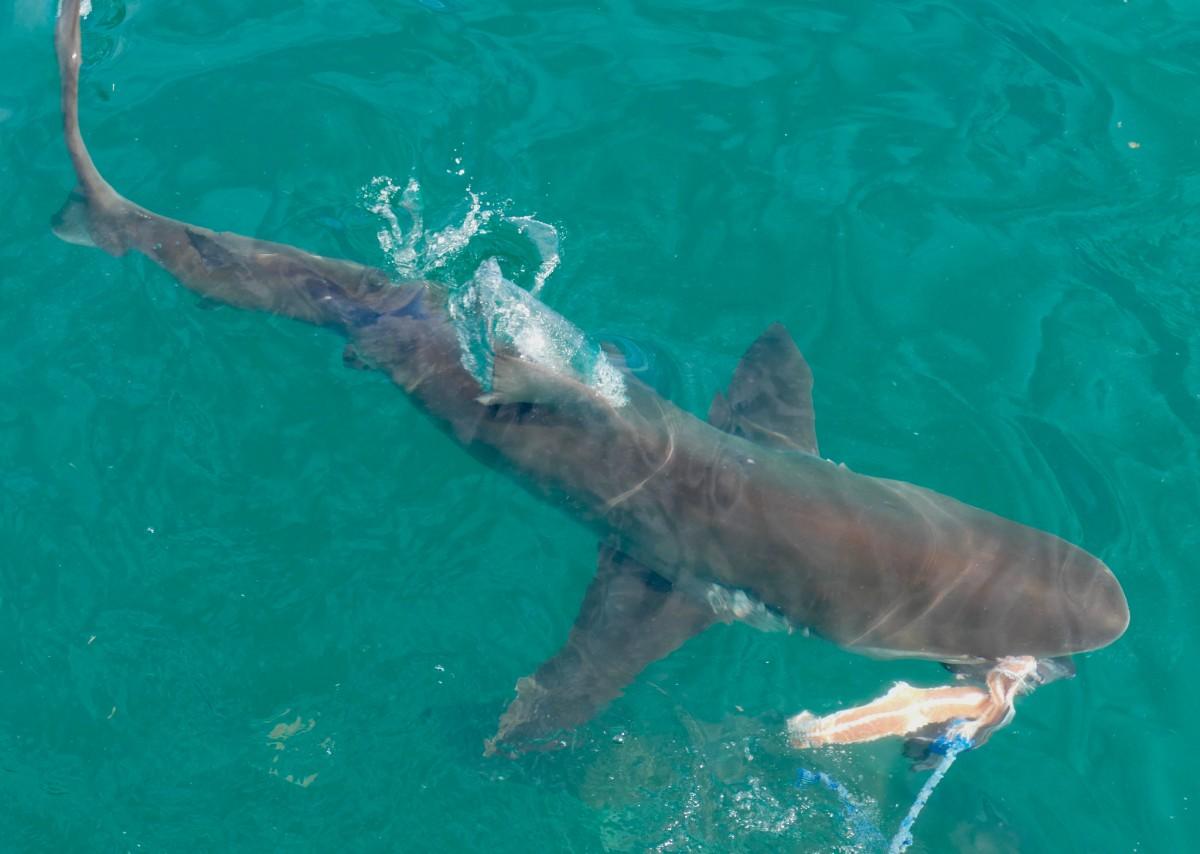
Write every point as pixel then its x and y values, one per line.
pixel 225 267
pixel 94 211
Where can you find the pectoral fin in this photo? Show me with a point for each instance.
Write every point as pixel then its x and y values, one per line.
pixel 630 617
pixel 770 397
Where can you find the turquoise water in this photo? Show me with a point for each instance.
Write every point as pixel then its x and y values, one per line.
pixel 250 600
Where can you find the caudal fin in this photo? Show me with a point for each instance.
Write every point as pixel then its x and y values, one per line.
pixel 94 214
pixel 225 267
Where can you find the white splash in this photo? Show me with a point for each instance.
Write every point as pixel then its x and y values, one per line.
pixel 491 313
pixel 545 239
pixel 413 252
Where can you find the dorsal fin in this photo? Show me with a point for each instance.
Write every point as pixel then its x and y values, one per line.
pixel 515 380
pixel 770 397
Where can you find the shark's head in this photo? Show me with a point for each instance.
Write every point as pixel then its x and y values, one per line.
pixel 968 584
pixel 1040 595
pixel 1093 608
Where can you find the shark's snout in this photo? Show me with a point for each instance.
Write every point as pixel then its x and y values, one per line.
pixel 1097 605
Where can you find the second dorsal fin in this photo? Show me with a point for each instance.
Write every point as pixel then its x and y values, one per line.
pixel 770 397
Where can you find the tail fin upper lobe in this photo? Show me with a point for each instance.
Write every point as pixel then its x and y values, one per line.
pixel 229 268
pixel 93 211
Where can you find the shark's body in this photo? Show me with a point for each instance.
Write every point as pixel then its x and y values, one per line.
pixel 734 517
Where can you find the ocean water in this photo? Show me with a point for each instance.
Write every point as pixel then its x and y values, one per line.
pixel 252 601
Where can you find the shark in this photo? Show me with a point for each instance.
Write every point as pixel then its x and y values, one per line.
pixel 731 517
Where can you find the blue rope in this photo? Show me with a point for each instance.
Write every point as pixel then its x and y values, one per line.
pixel 863 829
pixel 949 748
pixel 861 825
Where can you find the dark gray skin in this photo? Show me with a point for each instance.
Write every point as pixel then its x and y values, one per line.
pixel 743 501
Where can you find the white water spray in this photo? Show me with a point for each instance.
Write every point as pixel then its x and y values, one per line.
pixel 490 312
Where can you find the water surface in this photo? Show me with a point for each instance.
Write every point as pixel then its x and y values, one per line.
pixel 251 600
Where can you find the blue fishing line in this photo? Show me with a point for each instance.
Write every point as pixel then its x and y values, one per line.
pixel 865 830
pixel 861 826
pixel 949 748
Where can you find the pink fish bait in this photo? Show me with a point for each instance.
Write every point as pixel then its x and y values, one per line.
pixel 905 710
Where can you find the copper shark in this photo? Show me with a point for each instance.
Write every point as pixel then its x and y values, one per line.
pixel 733 517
